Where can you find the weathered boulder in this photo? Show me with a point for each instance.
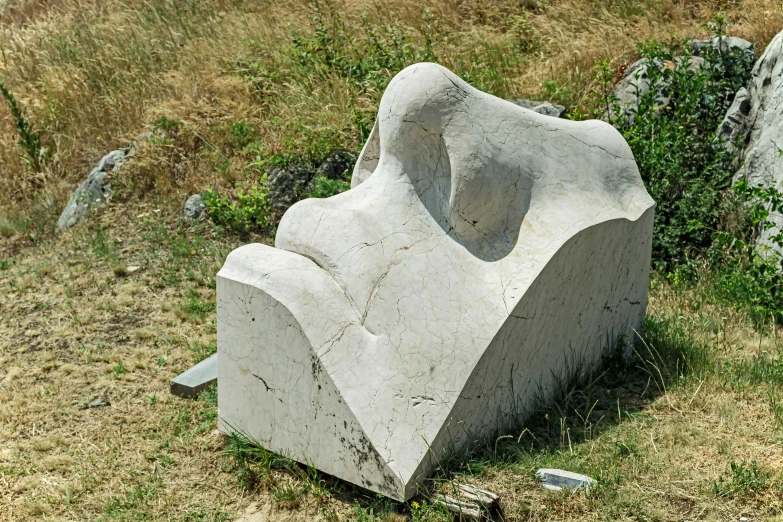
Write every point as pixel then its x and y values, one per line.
pixel 194 207
pixel 94 191
pixel 759 154
pixel 338 165
pixel 724 44
pixel 636 83
pixel 732 128
pixel 482 252
pixel 545 108
pixel 288 185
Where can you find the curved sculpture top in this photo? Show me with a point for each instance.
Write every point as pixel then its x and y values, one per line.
pixel 481 248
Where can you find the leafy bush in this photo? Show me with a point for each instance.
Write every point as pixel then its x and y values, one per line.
pixel 325 187
pixel 248 210
pixel 684 169
pixel 704 228
pixel 743 271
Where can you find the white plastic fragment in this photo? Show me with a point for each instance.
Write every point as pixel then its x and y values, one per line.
pixel 558 479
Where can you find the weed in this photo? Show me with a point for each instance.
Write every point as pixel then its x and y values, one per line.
pixel 137 500
pixel 744 480
pixel 202 350
pixel 29 138
pixel 194 309
pixel 119 368
pixel 325 187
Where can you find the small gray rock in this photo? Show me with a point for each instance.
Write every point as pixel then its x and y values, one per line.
pixel 93 192
pixel 100 402
pixel 557 479
pixel 545 108
pixel 723 44
pixel 194 207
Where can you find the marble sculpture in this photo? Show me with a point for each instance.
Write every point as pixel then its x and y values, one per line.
pixel 483 250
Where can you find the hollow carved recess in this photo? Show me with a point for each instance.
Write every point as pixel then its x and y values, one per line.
pixel 482 250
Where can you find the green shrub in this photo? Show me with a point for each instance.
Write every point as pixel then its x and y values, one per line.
pixel 247 211
pixel 743 271
pixel 684 169
pixel 704 229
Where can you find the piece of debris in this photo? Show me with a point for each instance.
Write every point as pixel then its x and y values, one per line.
pixel 557 479
pixel 190 383
pixel 194 207
pixel 100 402
pixel 132 269
pixel 482 496
pixel 464 510
pixel 471 503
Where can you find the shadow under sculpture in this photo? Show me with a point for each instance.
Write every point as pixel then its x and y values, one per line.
pixel 481 250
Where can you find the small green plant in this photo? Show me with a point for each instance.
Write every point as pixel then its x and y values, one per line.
pixel 195 309
pixel 325 187
pixel 29 138
pixel 119 368
pixel 368 58
pixel 248 210
pixel 167 124
pixel 744 479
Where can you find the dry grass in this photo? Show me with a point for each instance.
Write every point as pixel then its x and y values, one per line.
pixel 94 74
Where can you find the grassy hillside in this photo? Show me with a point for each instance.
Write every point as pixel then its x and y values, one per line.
pixel 690 428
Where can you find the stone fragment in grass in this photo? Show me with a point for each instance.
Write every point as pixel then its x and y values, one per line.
pixel 461 509
pixel 545 108
pixel 100 402
pixel 557 479
pixel 194 207
pixel 95 191
pixel 482 253
pixel 190 383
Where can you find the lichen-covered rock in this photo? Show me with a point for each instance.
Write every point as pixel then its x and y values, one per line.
pixel 338 165
pixel 732 128
pixel 93 192
pixel 759 154
pixel 725 44
pixel 545 108
pixel 288 185
pixel 482 251
pixel 194 207
pixel 636 83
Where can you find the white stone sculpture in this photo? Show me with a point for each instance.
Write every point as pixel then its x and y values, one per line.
pixel 482 250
